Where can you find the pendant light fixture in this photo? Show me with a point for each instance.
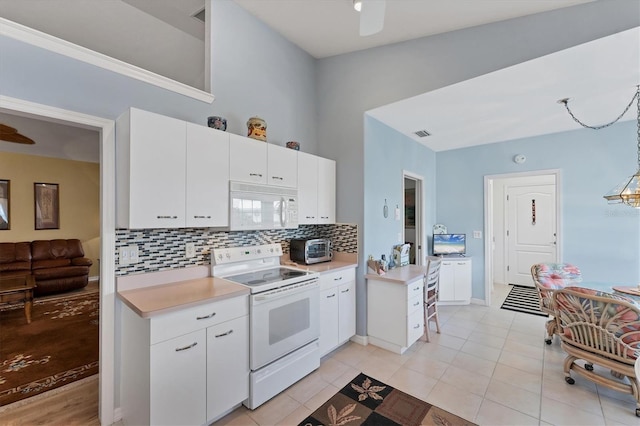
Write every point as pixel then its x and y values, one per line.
pixel 628 191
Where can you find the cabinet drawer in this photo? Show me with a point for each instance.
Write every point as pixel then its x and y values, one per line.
pixel 415 326
pixel 414 288
pixel 198 317
pixel 414 303
pixel 333 279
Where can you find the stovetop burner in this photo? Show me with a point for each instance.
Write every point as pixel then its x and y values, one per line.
pixel 266 276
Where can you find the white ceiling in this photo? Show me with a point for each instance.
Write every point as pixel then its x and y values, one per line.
pixel 331 27
pixel 520 101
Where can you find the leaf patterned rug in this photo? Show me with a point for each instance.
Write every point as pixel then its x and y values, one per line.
pixel 60 345
pixel 367 401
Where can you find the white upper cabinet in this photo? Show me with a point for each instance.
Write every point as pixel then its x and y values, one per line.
pixel 282 166
pixel 207 198
pixel 150 170
pixel 307 189
pixel 326 190
pixel 248 159
pixel 316 190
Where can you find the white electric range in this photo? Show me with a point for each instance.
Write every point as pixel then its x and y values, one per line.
pixel 283 315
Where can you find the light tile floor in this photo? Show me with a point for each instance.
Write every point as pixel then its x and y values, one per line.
pixel 489 365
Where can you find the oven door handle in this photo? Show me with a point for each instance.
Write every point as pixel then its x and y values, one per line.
pixel 283 209
pixel 271 295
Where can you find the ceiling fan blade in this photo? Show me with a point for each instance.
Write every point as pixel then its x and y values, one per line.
pixel 372 17
pixel 10 134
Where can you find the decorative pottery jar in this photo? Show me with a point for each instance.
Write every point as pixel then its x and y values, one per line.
pixel 257 128
pixel 216 122
pixel 293 145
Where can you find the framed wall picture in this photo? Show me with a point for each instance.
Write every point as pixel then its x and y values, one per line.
pixel 4 205
pixel 47 205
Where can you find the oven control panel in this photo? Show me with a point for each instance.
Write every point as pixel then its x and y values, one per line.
pixel 242 254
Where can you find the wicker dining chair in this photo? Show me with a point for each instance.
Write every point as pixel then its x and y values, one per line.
pixel 547 278
pixel 601 329
pixel 431 281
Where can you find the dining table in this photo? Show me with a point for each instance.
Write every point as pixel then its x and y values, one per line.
pixel 630 291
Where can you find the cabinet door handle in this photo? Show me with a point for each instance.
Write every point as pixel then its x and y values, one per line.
pixel 416 326
pixel 324 217
pixel 186 347
pixel 345 291
pixel 416 289
pixel 277 177
pixel 337 279
pixel 202 217
pixel 224 334
pixel 211 315
pixel 416 304
pixel 255 174
pixel 333 295
pixel 167 217
pixel 310 217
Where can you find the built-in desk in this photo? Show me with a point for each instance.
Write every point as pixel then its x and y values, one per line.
pixel 395 318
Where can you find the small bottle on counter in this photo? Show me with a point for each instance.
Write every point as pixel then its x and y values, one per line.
pixel 383 262
pixel 392 263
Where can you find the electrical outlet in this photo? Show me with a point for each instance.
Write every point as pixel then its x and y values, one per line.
pixel 123 256
pixel 133 254
pixel 477 234
pixel 190 250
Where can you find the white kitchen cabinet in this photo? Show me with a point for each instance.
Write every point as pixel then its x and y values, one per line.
pixel 228 360
pixel 337 309
pixel 282 166
pixel 395 313
pixel 207 177
pixel 178 389
pixel 316 190
pixel 150 170
pixel 185 367
pixel 326 191
pixel 454 287
pixel 248 159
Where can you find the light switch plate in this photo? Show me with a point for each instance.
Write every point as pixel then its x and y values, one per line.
pixel 477 234
pixel 190 250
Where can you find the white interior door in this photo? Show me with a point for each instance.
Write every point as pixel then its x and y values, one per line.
pixel 531 230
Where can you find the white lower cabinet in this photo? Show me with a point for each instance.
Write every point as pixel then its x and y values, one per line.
pixel 395 313
pixel 337 309
pixel 454 286
pixel 187 367
pixel 177 386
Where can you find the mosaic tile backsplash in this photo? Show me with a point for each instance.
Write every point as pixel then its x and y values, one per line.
pixel 163 249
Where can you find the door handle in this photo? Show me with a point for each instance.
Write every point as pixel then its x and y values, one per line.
pixel 184 348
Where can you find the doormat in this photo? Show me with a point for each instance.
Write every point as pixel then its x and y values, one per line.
pixel 60 345
pixel 523 299
pixel 367 401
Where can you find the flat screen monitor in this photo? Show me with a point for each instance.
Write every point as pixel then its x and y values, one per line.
pixel 444 244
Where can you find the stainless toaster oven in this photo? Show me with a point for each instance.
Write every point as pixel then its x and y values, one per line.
pixel 310 250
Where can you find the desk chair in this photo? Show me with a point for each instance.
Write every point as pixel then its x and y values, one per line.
pixel 547 278
pixel 431 281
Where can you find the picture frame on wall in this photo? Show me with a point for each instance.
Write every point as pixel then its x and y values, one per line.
pixel 47 205
pixel 5 222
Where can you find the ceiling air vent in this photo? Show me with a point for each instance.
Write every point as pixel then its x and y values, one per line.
pixel 422 133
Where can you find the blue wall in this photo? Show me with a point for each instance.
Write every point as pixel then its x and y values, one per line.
pixel 603 240
pixel 387 156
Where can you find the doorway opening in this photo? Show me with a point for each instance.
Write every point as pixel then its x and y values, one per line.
pixel 522 230
pixel 413 217
pixel 106 129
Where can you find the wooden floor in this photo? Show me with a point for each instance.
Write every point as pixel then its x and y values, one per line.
pixel 74 404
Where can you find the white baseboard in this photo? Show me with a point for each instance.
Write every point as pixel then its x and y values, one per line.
pixel 96 278
pixel 117 414
pixel 479 302
pixel 361 340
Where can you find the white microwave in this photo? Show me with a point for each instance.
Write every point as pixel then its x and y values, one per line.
pixel 254 206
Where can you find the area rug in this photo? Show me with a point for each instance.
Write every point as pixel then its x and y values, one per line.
pixel 523 299
pixel 367 401
pixel 60 345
